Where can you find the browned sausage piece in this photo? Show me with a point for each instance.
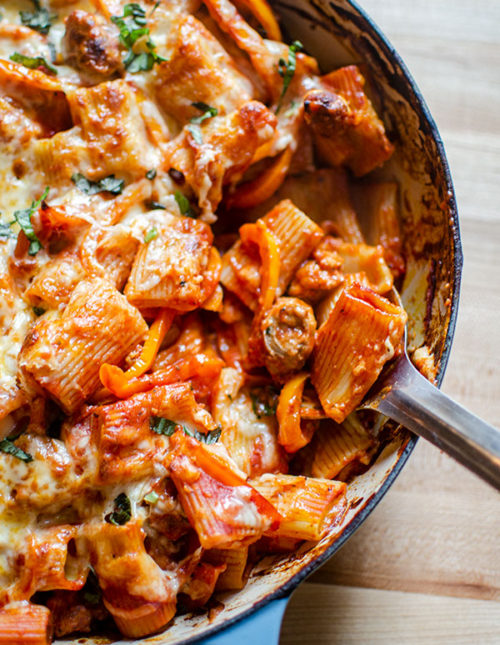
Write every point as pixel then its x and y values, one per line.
pixel 327 112
pixel 90 45
pixel 288 331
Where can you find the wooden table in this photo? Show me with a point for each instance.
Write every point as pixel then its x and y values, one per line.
pixel 425 566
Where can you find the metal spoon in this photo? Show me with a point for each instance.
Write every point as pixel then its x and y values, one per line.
pixel 407 397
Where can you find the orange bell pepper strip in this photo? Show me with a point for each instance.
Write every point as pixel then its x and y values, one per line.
pixel 262 12
pixel 199 365
pixel 265 239
pixel 252 193
pixel 119 382
pixel 290 435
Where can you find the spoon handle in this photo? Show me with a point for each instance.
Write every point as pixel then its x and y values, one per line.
pixel 422 408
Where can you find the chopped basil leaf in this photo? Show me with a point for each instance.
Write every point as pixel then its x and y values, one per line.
pixel 33 62
pixel 142 62
pixel 106 185
pixel 152 205
pixel 152 497
pixel 23 218
pixel 162 426
pixel 211 437
pixel 5 231
pixel 40 19
pixel 208 438
pixel 287 69
pixel 111 185
pixel 151 174
pixel 92 599
pixel 168 427
pixel 138 14
pixel 195 133
pixel 122 512
pixel 38 311
pixel 152 234
pixel 155 8
pixel 184 204
pixel 264 401
pixel 92 593
pixel 9 447
pixel 207 112
pixel 132 26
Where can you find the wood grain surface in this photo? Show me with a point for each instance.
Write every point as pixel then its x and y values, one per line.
pixel 425 566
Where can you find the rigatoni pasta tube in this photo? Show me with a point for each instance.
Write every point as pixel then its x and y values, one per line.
pixel 336 446
pixel 234 575
pixel 137 592
pixel 304 503
pixel 63 356
pixel 379 204
pixel 222 507
pixel 296 234
pixel 23 623
pixel 358 337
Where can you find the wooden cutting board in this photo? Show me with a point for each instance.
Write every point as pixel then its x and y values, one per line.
pixel 425 566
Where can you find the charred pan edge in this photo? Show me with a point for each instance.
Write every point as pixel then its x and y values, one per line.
pixel 404 83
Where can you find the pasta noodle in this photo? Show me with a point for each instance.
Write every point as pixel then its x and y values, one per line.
pixel 191 308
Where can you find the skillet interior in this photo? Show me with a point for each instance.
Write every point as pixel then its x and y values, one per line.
pixel 338 33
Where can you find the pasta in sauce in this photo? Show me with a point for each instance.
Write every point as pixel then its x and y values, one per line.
pixel 191 310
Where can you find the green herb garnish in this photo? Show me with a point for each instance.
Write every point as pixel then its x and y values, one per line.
pixel 23 218
pixel 264 401
pixel 33 62
pixel 195 132
pixel 151 174
pixel 152 234
pixel 162 426
pixel 152 497
pixel 167 427
pixel 152 205
pixel 208 112
pixel 5 231
pixel 122 512
pixel 132 26
pixel 157 4
pixel 40 19
pixel 92 593
pixel 287 69
pixel 9 447
pixel 211 437
pixel 184 204
pixel 108 184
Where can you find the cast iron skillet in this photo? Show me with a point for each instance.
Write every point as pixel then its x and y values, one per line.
pixel 337 33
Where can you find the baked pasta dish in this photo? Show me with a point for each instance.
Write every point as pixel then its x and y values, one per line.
pixel 194 281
